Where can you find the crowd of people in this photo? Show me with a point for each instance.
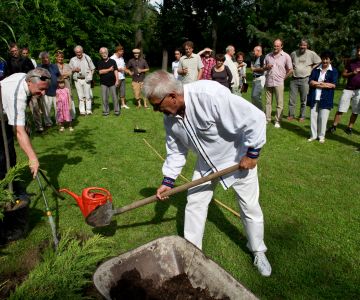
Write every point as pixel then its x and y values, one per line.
pixel 203 108
pixel 58 102
pixel 312 77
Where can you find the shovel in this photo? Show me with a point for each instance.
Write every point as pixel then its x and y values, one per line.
pixel 101 216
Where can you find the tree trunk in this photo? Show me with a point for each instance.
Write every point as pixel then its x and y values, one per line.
pixel 165 60
pixel 138 15
pixel 214 35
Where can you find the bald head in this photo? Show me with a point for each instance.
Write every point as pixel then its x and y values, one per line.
pixel 257 51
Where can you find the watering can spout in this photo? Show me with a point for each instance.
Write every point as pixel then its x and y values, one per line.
pixel 78 198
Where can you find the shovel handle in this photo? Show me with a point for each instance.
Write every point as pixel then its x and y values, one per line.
pixel 177 189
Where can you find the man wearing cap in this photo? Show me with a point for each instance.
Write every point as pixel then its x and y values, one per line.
pixel 136 68
pixel 190 65
pixel 208 61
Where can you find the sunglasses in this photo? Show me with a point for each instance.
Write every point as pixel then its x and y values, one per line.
pixel 42 78
pixel 157 105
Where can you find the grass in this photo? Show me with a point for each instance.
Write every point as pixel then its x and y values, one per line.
pixel 309 195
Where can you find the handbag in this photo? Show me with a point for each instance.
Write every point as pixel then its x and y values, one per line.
pixel 89 76
pixel 244 87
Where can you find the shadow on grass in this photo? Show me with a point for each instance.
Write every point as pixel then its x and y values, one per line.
pixel 57 162
pixel 313 273
pixel 304 131
pixel 215 215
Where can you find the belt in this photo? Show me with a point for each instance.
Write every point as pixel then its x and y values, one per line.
pixel 257 76
pixel 83 77
pixel 300 77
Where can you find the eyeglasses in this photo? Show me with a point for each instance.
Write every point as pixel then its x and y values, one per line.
pixel 42 78
pixel 157 105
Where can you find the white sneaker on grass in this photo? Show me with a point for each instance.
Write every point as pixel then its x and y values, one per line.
pixel 277 125
pixel 262 264
pixel 125 106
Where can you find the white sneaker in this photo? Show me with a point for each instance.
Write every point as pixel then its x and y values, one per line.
pixel 262 264
pixel 311 139
pixel 321 140
pixel 277 125
pixel 125 106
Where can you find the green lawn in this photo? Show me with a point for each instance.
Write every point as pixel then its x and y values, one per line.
pixel 309 195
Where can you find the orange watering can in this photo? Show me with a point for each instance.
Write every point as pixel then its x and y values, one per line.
pixel 90 198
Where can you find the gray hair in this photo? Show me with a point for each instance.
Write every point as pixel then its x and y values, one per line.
pixel 228 48
pixel 43 54
pixel 104 49
pixel 35 75
pixel 78 47
pixel 160 83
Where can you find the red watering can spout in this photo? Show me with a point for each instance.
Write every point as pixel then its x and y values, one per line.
pixel 90 198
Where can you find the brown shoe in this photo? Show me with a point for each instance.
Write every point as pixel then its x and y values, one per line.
pixel 301 120
pixel 290 118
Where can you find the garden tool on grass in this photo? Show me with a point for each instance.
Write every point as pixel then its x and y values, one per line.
pixel 49 183
pixel 137 129
pixel 48 213
pixel 101 215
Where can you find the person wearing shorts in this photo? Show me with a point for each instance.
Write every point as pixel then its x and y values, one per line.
pixel 350 95
pixel 136 68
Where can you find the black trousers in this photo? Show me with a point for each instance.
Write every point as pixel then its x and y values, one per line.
pixel 18 188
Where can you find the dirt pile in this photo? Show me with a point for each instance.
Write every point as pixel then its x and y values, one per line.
pixel 132 286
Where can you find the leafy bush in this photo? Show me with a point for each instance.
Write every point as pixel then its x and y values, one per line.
pixel 63 274
pixel 6 197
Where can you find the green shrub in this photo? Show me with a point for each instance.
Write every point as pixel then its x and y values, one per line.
pixel 63 274
pixel 6 197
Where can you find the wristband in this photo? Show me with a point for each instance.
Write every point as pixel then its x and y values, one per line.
pixel 168 182
pixel 253 153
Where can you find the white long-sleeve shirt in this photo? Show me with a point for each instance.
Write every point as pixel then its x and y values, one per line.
pixel 218 125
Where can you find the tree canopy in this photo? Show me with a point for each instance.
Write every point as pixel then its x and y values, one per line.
pixel 54 24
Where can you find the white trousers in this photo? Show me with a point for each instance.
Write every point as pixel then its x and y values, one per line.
pixel 319 118
pixel 247 191
pixel 48 102
pixel 83 90
pixel 256 92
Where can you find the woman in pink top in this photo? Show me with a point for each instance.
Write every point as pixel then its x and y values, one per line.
pixel 63 105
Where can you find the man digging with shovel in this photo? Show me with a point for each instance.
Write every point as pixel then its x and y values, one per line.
pixel 222 129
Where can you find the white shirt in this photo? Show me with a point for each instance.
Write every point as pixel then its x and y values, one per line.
pixel 14 93
pixel 120 64
pixel 85 64
pixel 321 79
pixel 218 126
pixel 234 71
pixel 174 68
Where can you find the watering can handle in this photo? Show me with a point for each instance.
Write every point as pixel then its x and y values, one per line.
pixel 177 189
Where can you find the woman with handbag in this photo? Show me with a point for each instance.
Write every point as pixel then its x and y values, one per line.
pixel 220 72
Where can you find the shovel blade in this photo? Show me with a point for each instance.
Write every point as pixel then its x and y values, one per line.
pixel 101 216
